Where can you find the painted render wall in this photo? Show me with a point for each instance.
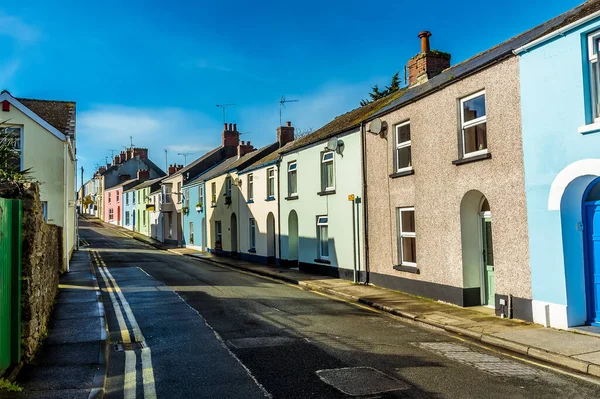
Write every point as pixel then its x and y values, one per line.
pixel 192 196
pixel 143 221
pixel 309 205
pixel 259 209
pixel 437 188
pixel 559 163
pixel 45 154
pixel 156 223
pixel 221 212
pixel 174 208
pixel 129 205
pixel 111 202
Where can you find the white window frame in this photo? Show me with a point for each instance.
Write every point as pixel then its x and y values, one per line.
pixel 324 163
pixel 594 38
pixel 117 196
pixel 400 234
pixel 322 220
pixel 228 186
pixel 179 192
pixel 219 232
pixel 201 194
pixel 109 197
pixel 213 194
pixel 401 145
pixel 474 122
pixel 270 178
pixel 111 214
pixel 252 233
pixel 8 129
pixel 250 192
pixel 292 171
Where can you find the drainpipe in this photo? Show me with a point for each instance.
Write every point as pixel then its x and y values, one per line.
pixel 278 213
pixel 365 213
pixel 354 238
pixel 66 193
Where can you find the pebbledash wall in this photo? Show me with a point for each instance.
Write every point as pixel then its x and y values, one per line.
pixel 561 147
pixel 447 198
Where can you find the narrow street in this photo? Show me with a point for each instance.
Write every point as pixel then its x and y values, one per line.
pixel 186 328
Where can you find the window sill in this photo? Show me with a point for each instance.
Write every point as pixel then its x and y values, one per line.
pixel 250 201
pixel 327 192
pixel 323 261
pixel 252 250
pixel 270 199
pixel 476 158
pixel 213 206
pixel 291 197
pixel 403 173
pixel 593 127
pixel 408 269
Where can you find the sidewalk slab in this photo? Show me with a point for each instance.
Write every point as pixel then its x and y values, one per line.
pixel 561 342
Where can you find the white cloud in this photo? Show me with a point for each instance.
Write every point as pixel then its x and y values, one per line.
pixel 20 31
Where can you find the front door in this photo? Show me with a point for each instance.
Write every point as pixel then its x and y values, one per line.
pixel 489 283
pixel 593 260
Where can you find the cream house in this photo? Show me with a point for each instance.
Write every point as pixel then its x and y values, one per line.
pixel 47 142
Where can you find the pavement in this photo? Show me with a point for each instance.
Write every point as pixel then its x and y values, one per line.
pixel 577 350
pixel 72 361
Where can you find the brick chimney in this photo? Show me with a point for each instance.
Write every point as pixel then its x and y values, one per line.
pixel 285 134
pixel 122 157
pixel 117 160
pixel 427 63
pixel 101 169
pixel 140 152
pixel 244 148
pixel 231 139
pixel 107 165
pixel 143 174
pixel 174 168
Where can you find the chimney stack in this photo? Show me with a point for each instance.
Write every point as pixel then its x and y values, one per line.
pixel 117 160
pixel 231 139
pixel 140 152
pixel 174 168
pixel 243 149
pixel 122 157
pixel 427 63
pixel 285 134
pixel 143 174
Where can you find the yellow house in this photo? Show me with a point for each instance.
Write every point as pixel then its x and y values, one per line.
pixel 47 142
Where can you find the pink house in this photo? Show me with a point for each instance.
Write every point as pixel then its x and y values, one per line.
pixel 112 204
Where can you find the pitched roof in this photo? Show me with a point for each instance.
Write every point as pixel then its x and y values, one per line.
pixel 343 123
pixel 267 160
pixel 254 156
pixel 147 183
pixel 125 184
pixel 215 171
pixel 59 114
pixel 488 57
pixel 146 161
pixel 195 162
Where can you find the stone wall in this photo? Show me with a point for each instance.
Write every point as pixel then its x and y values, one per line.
pixel 41 266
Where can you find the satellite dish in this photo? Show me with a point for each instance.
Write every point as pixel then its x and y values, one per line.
pixel 375 126
pixel 332 144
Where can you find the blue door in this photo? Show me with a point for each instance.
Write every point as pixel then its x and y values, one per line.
pixel 592 229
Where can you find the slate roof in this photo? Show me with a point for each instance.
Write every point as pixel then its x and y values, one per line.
pixel 59 114
pixel 267 160
pixel 196 162
pixel 147 183
pixel 488 57
pixel 215 171
pixel 146 161
pixel 125 184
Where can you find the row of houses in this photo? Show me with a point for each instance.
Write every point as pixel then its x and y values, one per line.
pixel 477 184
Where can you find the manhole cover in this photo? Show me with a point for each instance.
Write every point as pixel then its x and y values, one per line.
pixel 358 381
pixel 259 342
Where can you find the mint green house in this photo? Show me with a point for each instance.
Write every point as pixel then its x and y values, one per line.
pixel 143 203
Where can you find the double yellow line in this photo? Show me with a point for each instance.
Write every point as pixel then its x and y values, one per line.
pixel 116 296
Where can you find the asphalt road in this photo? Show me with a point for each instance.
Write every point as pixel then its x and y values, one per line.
pixel 213 332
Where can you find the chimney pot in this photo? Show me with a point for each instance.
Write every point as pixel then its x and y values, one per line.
pixel 235 127
pixel 224 126
pixel 424 36
pixel 230 127
pixel 288 123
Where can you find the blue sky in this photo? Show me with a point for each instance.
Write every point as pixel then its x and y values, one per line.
pixel 155 70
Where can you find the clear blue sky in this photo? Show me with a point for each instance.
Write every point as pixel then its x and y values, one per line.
pixel 155 70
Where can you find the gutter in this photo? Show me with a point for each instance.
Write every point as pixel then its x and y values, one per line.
pixel 558 32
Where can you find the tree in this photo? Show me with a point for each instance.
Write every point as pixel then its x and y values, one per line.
pixel 376 94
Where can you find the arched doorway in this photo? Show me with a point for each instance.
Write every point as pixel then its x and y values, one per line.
pixel 477 249
pixel 591 244
pixel 293 237
pixel 233 229
pixel 270 238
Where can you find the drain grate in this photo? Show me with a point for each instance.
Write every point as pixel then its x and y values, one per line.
pixel 129 346
pixel 260 342
pixel 482 361
pixel 360 381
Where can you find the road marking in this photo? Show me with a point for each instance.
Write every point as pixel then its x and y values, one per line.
pixel 129 386
pixel 148 374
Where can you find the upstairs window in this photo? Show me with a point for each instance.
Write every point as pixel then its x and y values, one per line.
pixel 228 187
pixel 201 195
pixel 117 196
pixel 473 125
pixel 14 138
pixel 179 192
pixel 250 187
pixel 138 195
pixel 323 236
pixel 187 198
pixel 593 45
pixel 327 173
pixel 271 183
pixel 403 147
pixel 213 193
pixel 133 197
pixel 109 197
pixel 127 199
pixel 252 234
pixel 292 179
pixel 406 235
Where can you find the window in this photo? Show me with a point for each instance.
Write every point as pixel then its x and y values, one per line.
pixel 403 147
pixel 127 218
pixel 15 134
pixel 250 187
pixel 117 196
pixel 323 236
pixel 252 234
pixel 270 183
pixel 110 214
pixel 138 195
pixel 132 198
pixel 201 195
pixel 292 179
pixel 144 217
pixel 473 125
pixel 109 197
pixel 179 192
pixel 127 199
pixel 213 189
pixel 327 175
pixel 45 210
pixel 405 221
pixel 218 234
pixel 593 45
pixel 228 187
pixel 187 198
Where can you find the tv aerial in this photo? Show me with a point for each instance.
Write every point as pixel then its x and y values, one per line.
pixel 282 105
pixel 185 155
pixel 224 106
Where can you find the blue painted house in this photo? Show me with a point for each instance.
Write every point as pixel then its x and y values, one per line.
pixel 560 105
pixel 194 215
pixel 129 207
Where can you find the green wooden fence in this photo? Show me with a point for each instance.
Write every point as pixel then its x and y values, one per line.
pixel 10 282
